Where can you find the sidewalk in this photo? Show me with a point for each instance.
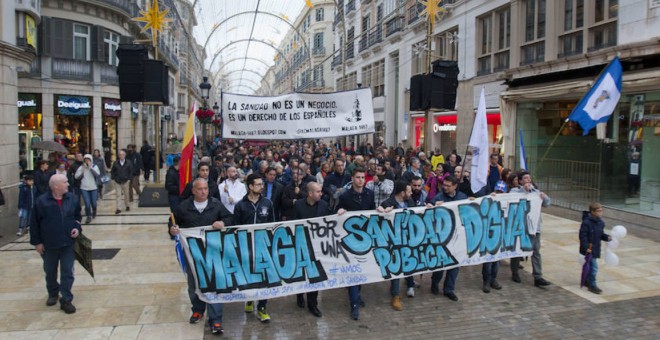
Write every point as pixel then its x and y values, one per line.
pixel 140 293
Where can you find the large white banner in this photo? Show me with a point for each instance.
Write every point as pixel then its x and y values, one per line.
pixel 298 115
pixel 278 259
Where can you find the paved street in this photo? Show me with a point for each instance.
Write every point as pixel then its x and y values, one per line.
pixel 141 294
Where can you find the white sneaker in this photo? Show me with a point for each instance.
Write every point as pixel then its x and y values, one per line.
pixel 410 292
pixel 19 233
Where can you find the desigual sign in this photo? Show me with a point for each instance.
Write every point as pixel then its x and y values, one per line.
pixel 111 107
pixel 73 105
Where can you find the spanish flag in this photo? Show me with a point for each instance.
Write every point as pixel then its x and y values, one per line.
pixel 189 141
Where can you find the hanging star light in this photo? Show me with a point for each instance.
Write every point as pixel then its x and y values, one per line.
pixel 309 3
pixel 154 19
pixel 432 9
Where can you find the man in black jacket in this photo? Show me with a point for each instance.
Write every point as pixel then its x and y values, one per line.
pixel 310 207
pixel 55 226
pixel 198 211
pixel 292 193
pixel 136 161
pixel 334 182
pixel 147 165
pixel 74 184
pixel 272 190
pixel 122 173
pixel 41 177
pixel 203 171
pixel 255 209
pixel 356 198
pixel 172 184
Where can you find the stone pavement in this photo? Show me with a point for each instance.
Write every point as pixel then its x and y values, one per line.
pixel 141 294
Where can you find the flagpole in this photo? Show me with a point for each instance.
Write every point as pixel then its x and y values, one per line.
pixel 551 143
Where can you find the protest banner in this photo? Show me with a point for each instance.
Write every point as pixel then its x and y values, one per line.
pixel 298 115
pixel 278 259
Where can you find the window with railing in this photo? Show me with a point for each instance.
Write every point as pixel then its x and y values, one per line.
pixel 533 49
pixel 350 46
pixel 319 14
pixel 347 82
pixel 494 40
pixel 446 45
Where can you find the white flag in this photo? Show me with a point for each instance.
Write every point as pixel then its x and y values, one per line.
pixel 479 144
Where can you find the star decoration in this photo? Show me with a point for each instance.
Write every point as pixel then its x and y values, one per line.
pixel 154 19
pixel 432 9
pixel 309 3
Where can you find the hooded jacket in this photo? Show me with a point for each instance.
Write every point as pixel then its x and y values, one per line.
pixel 592 231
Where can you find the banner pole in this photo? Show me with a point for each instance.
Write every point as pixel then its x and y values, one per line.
pixel 551 143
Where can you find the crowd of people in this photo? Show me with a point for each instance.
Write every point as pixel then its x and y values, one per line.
pixel 237 184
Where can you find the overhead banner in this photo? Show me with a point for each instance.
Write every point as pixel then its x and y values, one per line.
pixel 278 259
pixel 298 115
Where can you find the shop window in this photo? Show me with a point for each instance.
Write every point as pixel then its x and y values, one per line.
pixel 81 41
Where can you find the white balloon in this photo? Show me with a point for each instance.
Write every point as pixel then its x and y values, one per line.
pixel 614 244
pixel 611 258
pixel 581 260
pixel 619 232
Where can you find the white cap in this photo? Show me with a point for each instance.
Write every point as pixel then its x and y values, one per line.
pixel 88 156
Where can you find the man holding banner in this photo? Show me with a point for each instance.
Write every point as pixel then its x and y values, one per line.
pixel 356 198
pixel 310 207
pixel 255 209
pixel 198 211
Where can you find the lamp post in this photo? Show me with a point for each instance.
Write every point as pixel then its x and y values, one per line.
pixel 216 110
pixel 205 88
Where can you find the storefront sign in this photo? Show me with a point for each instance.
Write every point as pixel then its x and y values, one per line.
pixel 28 103
pixel 111 107
pixel 443 128
pixel 298 115
pixel 278 259
pixel 73 105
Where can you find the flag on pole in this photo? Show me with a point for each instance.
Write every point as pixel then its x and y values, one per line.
pixel 479 144
pixel 523 158
pixel 599 103
pixel 189 141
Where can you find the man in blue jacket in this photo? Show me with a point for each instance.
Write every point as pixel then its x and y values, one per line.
pixel 55 226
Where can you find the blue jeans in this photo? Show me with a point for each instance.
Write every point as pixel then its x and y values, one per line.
pixel 394 285
pixel 62 257
pixel 591 277
pixel 354 296
pixel 198 306
pixel 489 271
pixel 90 198
pixel 450 281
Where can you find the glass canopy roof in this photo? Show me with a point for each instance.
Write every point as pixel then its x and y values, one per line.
pixel 241 38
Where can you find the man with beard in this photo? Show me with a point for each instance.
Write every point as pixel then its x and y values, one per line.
pixel 197 211
pixel 334 183
pixel 380 185
pixel 232 189
pixel 419 195
pixel 449 194
pixel 310 207
pixel 255 209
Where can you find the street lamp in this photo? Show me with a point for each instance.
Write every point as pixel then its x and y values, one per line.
pixel 216 110
pixel 205 88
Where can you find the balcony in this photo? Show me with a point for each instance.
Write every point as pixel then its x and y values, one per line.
pixel 108 74
pixel 317 83
pixel 350 51
pixel 376 36
pixel 350 6
pixel 72 69
pixel 336 60
pixel 318 51
pixel 363 44
pixel 395 25
pixel 129 7
pixel 169 55
pixel 413 13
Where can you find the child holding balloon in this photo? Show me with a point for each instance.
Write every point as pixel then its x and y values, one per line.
pixel 592 231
